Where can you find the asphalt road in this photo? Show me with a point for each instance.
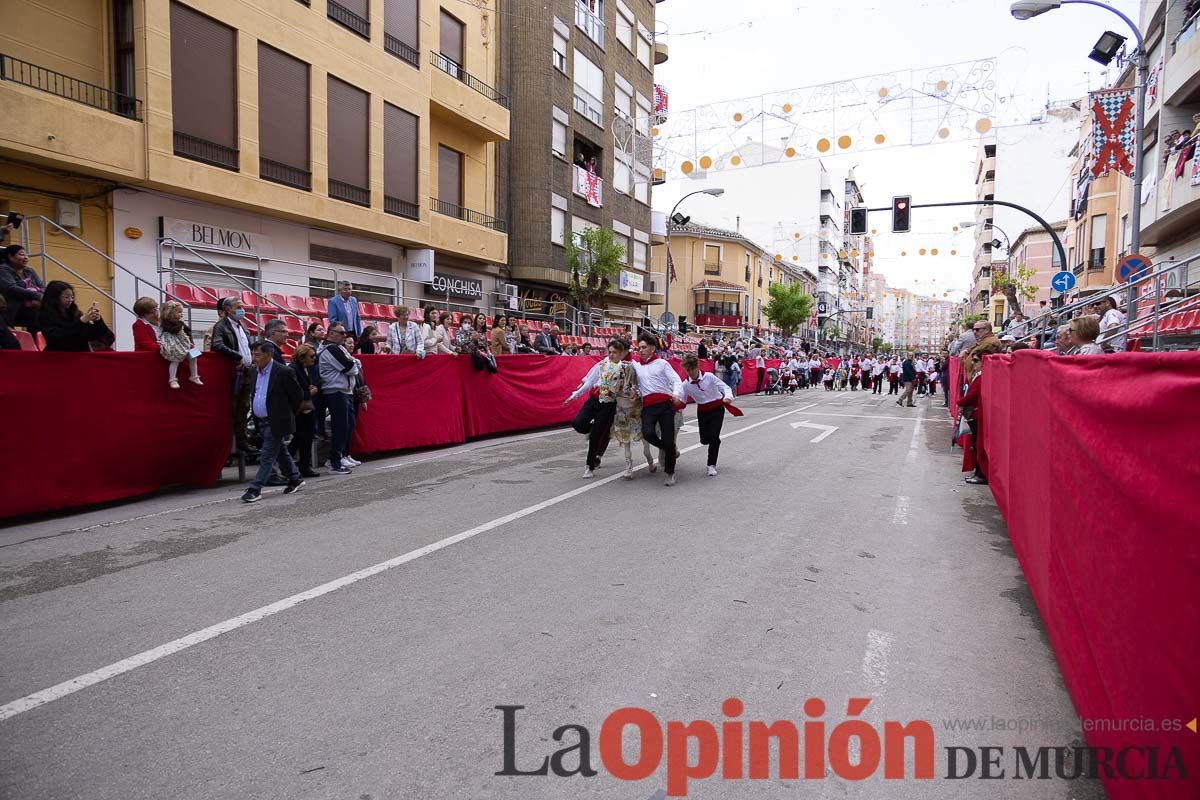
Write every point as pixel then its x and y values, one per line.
pixel 353 640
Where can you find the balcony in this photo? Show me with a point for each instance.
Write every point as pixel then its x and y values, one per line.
pixel 401 50
pixel 718 320
pixel 986 165
pixel 206 152
pixel 401 208
pixel 1182 69
pixel 661 53
pixel 54 120
pixel 455 229
pixel 589 186
pixel 986 190
pixel 589 107
pixel 591 24
pixel 467 215
pixel 1173 210
pixel 340 190
pixel 277 172
pixel 348 19
pixel 466 101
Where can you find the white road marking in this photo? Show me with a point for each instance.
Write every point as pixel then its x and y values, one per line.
pixel 914 442
pixel 689 428
pixel 875 660
pixel 828 430
pixel 69 687
pixel 876 416
pixel 900 515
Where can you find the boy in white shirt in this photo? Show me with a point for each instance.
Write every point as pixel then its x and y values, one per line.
pixel 660 388
pixel 711 397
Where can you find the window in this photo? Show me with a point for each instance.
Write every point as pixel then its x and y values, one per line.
pixel 450 164
pixel 559 59
pixel 1099 237
pixel 451 44
pixel 352 14
pixel 349 118
pixel 622 176
pixel 1124 234
pixel 644 48
pixel 204 88
pixel 589 18
pixel 400 162
pixel 712 259
pixel 641 184
pixel 401 25
pixel 623 242
pixel 283 119
pixel 639 255
pixel 589 89
pixel 644 110
pixel 558 139
pixel 123 59
pixel 622 100
pixel 625 23
pixel 558 226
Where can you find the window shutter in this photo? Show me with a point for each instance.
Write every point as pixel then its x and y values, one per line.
pixel 349 114
pixel 283 108
pixel 449 175
pixel 401 18
pixel 399 153
pixel 203 77
pixel 452 39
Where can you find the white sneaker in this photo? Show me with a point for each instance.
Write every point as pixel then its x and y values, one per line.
pixel 587 472
pixel 351 462
pixel 670 481
pixel 712 471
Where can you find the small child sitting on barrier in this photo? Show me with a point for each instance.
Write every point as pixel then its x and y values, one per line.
pixel 175 344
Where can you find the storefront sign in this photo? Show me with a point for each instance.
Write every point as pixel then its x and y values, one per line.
pixel 204 236
pixel 455 286
pixel 551 304
pixel 419 265
pixel 631 281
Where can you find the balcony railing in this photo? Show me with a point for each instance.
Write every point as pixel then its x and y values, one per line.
pixel 401 51
pixel 55 83
pixel 344 16
pixel 283 173
pixel 589 23
pixel 204 151
pixel 589 107
pixel 456 71
pixel 340 190
pixel 589 186
pixel 718 320
pixel 467 215
pixel 401 208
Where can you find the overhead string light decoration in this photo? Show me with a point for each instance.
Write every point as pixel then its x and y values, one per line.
pixel 933 105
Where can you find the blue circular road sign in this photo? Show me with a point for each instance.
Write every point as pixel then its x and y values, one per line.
pixel 1133 267
pixel 1063 281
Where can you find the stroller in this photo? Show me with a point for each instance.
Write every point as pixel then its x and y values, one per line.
pixel 774 384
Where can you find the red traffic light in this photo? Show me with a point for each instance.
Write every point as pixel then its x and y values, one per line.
pixel 901 205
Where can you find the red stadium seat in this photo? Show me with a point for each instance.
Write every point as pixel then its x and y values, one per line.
pixel 223 293
pixel 455 318
pixel 294 325
pixel 275 302
pixel 181 292
pixel 250 325
pixel 206 297
pixel 318 306
pixel 39 340
pixel 289 346
pixel 25 338
pixel 297 304
pixel 249 300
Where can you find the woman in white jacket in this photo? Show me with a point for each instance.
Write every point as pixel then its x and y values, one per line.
pixel 434 332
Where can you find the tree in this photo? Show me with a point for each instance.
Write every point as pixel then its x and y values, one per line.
pixel 885 348
pixel 877 343
pixel 594 259
pixel 789 308
pixel 1015 286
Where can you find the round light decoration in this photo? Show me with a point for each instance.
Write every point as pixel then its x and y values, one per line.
pixel 955 229
pixel 953 252
pixel 883 92
pixel 903 253
pixel 841 253
pixel 943 133
pixel 787 108
pixel 735 160
pixel 687 167
pixel 705 162
pixel 654 131
pixel 880 138
pixel 983 125
pixel 921 251
pixel 844 142
pixel 942 86
pixel 823 145
pixel 874 231
pixel 933 252
pixel 790 152
pixel 737 117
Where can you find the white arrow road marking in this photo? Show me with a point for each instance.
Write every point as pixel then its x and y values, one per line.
pixel 689 429
pixel 829 429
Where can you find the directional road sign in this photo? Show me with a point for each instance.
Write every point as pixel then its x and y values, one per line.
pixel 1133 267
pixel 1063 281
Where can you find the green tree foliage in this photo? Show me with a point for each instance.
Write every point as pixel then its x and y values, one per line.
pixel 594 259
pixel 789 308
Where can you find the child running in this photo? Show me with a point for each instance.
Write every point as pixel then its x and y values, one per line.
pixel 712 398
pixel 659 386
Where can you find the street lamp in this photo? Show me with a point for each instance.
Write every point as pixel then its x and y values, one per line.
pixel 1028 9
pixel 716 191
pixel 995 242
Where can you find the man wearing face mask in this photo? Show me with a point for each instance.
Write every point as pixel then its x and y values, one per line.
pixel 229 339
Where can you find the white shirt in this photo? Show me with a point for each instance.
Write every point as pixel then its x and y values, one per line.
pixel 707 389
pixel 590 381
pixel 410 337
pixel 243 342
pixel 895 369
pixel 658 377
pixel 878 367
pixel 1112 320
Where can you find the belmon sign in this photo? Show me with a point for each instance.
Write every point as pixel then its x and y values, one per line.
pixel 455 286
pixel 202 235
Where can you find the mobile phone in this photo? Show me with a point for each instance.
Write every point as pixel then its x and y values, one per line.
pixel 14 219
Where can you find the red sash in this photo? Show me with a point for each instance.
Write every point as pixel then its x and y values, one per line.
pixel 655 399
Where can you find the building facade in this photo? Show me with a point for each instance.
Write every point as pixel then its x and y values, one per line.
pixel 581 74
pixel 277 145
pixel 1034 249
pixel 723 281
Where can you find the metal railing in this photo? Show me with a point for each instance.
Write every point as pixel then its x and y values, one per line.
pixel 340 190
pixel 344 16
pixel 401 50
pixel 286 174
pixel 467 215
pixel 455 70
pixel 589 23
pixel 60 85
pixel 204 151
pixel 401 208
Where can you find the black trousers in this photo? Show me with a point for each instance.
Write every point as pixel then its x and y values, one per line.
pixel 877 388
pixel 893 387
pixel 306 429
pixel 710 423
pixel 762 377
pixel 658 429
pixel 594 420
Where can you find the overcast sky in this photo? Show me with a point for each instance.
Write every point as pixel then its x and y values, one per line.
pixel 722 50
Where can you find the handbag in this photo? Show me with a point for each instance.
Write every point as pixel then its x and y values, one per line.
pixel 362 394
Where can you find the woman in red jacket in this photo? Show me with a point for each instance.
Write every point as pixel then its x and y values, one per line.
pixel 145 327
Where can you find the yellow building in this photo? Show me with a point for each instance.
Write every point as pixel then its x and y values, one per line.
pixel 722 280
pixel 282 144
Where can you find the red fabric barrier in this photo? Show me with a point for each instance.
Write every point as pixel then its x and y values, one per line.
pixel 526 392
pixel 955 386
pixel 415 403
pixel 1095 464
pixel 89 428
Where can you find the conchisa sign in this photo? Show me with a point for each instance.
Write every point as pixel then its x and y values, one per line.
pixel 455 286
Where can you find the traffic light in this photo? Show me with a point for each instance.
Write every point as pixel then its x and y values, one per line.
pixel 900 214
pixel 870 312
pixel 858 221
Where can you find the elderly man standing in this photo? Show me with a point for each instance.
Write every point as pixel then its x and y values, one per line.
pixel 344 309
pixel 404 336
pixel 229 339
pixel 964 342
pixel 276 400
pixel 275 332
pixel 908 376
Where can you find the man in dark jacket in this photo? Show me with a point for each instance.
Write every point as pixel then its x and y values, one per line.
pixel 275 401
pixel 546 342
pixel 21 287
pixel 908 375
pixel 230 339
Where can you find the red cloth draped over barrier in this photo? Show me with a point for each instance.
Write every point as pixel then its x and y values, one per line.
pixel 85 428
pixel 527 392
pixel 1095 464
pixel 418 403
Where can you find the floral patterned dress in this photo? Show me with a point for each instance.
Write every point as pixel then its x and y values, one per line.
pixel 619 382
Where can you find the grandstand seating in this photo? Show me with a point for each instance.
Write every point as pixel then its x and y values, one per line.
pixel 25 338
